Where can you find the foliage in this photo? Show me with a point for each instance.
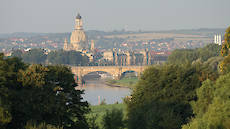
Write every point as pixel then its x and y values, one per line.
pixel 39 93
pixel 224 65
pixel 38 56
pixel 226 45
pixel 163 94
pixel 212 108
pixel 189 55
pixel 113 119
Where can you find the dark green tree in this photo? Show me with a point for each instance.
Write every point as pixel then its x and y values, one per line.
pixel 183 56
pixel 43 94
pixel 67 57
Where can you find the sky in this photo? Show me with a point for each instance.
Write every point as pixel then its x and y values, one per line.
pixel 58 15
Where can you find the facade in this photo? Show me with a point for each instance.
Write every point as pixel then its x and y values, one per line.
pixel 128 58
pixel 108 55
pixel 78 39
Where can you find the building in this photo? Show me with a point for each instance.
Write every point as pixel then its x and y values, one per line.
pixel 78 39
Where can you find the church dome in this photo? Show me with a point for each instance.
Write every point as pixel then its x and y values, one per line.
pixel 78 40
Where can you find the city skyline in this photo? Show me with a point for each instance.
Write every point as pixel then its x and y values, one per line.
pixel 58 16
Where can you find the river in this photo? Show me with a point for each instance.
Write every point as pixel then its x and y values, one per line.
pixel 96 91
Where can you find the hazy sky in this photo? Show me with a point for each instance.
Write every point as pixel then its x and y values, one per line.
pixel 59 15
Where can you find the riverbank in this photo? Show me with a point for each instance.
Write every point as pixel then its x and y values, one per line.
pixel 125 82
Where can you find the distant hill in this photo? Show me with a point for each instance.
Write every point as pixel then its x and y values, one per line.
pixel 94 33
pixel 202 31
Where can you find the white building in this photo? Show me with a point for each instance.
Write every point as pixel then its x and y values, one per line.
pixel 217 39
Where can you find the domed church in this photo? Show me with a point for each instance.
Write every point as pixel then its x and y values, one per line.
pixel 78 39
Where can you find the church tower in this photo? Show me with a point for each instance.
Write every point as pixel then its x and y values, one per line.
pixel 92 46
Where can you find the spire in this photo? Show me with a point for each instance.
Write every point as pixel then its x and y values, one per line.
pixel 65 41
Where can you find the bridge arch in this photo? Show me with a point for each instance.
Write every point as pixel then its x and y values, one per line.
pixel 129 73
pixel 97 72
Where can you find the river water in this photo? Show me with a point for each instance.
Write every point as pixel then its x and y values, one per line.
pixel 96 91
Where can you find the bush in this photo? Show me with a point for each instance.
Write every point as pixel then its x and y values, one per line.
pixel 113 119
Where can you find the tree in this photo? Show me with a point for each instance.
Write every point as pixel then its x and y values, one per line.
pixel 224 65
pixel 67 57
pixel 17 53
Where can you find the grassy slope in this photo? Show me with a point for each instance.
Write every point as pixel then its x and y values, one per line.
pixel 126 82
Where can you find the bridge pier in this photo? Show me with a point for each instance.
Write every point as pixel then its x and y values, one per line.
pixel 117 76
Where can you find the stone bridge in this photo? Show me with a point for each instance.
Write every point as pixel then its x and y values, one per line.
pixel 115 71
